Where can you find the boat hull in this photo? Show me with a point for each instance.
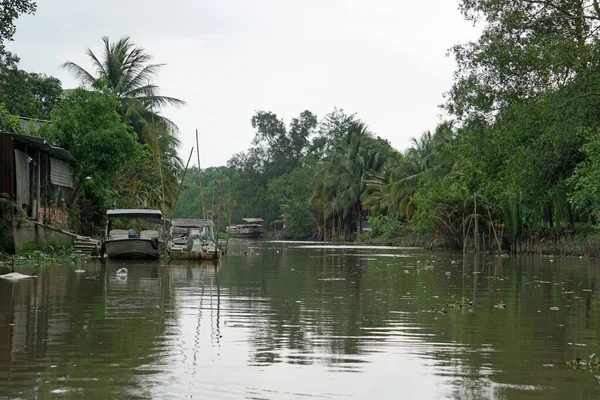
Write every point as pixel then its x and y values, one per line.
pixel 131 249
pixel 251 235
pixel 192 255
pixel 245 232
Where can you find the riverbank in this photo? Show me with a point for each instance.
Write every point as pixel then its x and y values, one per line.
pixel 36 258
pixel 550 242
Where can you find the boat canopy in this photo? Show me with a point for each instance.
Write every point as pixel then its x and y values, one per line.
pixel 150 215
pixel 191 223
pixel 253 220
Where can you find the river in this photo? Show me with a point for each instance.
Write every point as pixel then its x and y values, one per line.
pixel 281 320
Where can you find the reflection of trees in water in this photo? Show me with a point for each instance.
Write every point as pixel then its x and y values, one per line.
pixel 300 318
pixel 68 322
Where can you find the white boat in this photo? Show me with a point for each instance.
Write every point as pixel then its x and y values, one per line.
pixel 192 239
pixel 251 228
pixel 131 242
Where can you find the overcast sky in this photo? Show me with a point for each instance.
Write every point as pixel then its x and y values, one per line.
pixel 382 59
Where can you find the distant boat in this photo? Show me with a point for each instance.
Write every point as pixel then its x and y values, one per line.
pixel 251 228
pixel 129 243
pixel 192 239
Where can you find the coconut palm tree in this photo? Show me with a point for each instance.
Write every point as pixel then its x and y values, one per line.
pixel 126 70
pixel 391 190
pixel 341 178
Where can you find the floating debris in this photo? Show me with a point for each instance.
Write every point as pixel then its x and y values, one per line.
pixel 15 276
pixel 500 305
pixel 554 308
pixel 463 303
pixel 79 271
pixel 592 363
pixel 332 279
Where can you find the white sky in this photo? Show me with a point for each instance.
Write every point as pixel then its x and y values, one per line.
pixel 383 59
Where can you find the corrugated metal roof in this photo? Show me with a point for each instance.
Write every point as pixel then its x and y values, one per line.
pixel 28 123
pixel 41 143
pixel 7 166
pixel 191 223
pixel 22 176
pixel 60 173
pixel 151 215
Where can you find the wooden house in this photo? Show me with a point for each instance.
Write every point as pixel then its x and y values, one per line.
pixel 37 178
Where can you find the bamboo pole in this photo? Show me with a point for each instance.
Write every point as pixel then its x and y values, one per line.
pixel 212 201
pixel 476 228
pixel 181 183
pixel 162 184
pixel 231 203
pixel 200 178
pixel 216 256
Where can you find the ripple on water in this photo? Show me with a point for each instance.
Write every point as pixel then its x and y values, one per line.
pixel 273 326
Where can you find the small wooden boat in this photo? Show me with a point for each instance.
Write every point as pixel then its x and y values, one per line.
pixel 193 239
pixel 251 228
pixel 128 243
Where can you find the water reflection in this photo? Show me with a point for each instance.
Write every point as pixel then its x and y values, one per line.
pixel 275 320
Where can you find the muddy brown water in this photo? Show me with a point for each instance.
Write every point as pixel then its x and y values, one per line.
pixel 299 320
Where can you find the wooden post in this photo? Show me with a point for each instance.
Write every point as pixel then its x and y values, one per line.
pixel 212 201
pixel 200 178
pixel 476 228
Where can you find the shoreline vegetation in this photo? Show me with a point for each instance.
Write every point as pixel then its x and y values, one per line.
pixel 552 244
pixel 34 259
pixel 514 168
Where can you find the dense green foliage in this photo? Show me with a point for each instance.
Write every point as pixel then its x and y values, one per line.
pixel 87 125
pixel 10 10
pixel 290 176
pixel 126 150
pixel 126 70
pixel 517 162
pixel 27 94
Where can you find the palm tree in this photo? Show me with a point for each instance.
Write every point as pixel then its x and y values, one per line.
pixel 391 190
pixel 126 70
pixel 341 180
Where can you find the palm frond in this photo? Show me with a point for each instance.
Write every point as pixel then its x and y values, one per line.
pixel 80 73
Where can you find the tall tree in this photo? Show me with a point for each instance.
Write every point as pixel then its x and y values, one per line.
pixel 10 10
pixel 87 125
pixel 526 47
pixel 127 71
pixel 341 180
pixel 27 94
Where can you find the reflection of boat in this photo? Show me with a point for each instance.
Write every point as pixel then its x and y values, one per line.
pixel 128 243
pixel 252 228
pixel 193 239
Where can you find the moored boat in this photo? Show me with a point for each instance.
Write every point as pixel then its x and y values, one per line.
pixel 193 239
pixel 251 228
pixel 141 239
